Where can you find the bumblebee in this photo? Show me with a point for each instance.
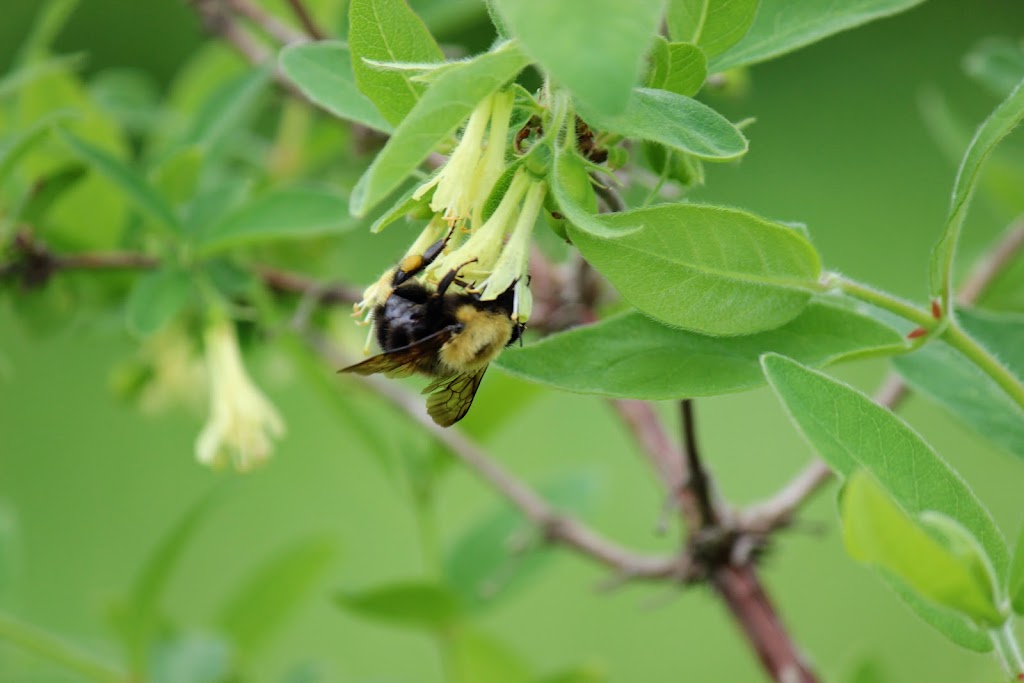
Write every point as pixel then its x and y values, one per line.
pixel 450 336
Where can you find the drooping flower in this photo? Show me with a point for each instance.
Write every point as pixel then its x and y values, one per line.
pixel 513 263
pixel 478 160
pixel 243 423
pixel 477 256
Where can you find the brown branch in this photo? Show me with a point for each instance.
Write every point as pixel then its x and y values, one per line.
pixel 287 282
pixel 33 264
pixel 717 550
pixel 306 19
pixel 778 510
pixel 992 264
pixel 268 23
pixel 750 605
pixel 727 554
pixel 663 455
pixel 698 483
pixel 220 22
pixel 610 196
pixel 557 527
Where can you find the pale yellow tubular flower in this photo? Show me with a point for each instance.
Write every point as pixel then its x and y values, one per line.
pixel 522 304
pixel 514 261
pixel 477 256
pixel 453 195
pixel 243 423
pixel 492 164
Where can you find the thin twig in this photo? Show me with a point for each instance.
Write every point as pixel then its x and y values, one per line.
pixel 778 510
pixel 698 483
pixel 611 197
pixel 267 22
pixel 104 261
pixel 663 455
pixel 287 282
pixel 33 263
pixel 556 526
pixel 992 264
pixel 222 24
pixel 305 18
pixel 727 556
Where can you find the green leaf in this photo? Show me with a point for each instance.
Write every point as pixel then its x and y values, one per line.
pixel 679 67
pixel 295 213
pixel 675 121
pixel 16 145
pixel 595 48
pixel 782 26
pixel 632 356
pixel 573 192
pixel 156 298
pixel 210 204
pixel 12 83
pixel 46 192
pixel 1015 582
pixel 479 656
pixel 48 23
pixel 266 600
pixel 951 624
pixel 413 604
pixel 503 552
pixel 851 431
pixel 323 72
pixel 708 269
pixel 176 176
pixel 443 107
pixel 403 207
pixel 713 25
pixel 227 109
pixel 997 63
pixel 126 179
pixel 877 532
pixel 997 126
pixel 138 618
pixel 1003 176
pixel 943 374
pixel 388 31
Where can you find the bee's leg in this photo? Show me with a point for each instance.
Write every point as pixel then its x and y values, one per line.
pixel 452 277
pixel 415 263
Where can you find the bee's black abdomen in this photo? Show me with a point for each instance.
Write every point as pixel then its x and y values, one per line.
pixel 411 313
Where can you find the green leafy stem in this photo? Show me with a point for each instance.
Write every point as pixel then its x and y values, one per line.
pixel 946 329
pixel 1007 648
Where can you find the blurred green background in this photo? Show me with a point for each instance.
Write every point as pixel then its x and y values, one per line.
pixel 89 486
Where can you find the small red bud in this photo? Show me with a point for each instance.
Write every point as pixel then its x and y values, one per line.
pixel 918 332
pixel 1020 677
pixel 936 310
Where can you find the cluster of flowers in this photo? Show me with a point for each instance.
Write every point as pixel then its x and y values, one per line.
pixel 491 253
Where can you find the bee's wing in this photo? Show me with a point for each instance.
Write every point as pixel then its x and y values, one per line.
pixel 453 396
pixel 403 361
